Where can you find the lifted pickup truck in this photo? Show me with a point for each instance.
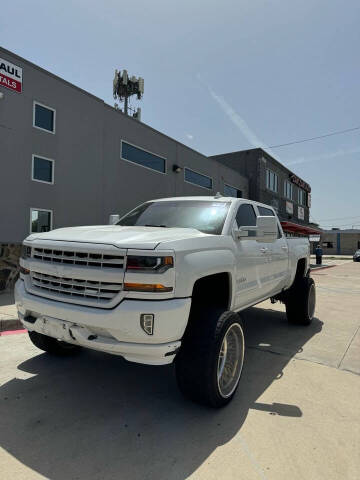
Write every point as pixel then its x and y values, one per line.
pixel 165 284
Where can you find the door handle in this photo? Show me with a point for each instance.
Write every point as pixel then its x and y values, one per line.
pixel 284 247
pixel 263 249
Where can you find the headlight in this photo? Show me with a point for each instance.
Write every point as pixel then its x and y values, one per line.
pixel 149 264
pixel 25 252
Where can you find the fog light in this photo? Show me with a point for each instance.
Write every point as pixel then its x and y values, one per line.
pixel 147 322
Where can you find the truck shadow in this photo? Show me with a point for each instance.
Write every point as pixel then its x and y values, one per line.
pixel 96 416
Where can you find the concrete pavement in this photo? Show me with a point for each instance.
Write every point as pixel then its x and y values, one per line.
pixel 332 260
pixel 295 416
pixel 8 314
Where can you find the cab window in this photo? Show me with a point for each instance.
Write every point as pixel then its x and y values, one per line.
pixel 267 212
pixel 246 215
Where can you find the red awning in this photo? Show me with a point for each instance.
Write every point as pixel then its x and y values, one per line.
pixel 301 229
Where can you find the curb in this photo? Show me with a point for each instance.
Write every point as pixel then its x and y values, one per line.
pixel 11 332
pixel 316 269
pixel 10 324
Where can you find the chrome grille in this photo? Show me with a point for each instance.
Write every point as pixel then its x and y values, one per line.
pixel 74 287
pixel 85 259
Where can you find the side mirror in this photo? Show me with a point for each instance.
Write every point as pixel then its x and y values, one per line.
pixel 246 233
pixel 266 230
pixel 114 219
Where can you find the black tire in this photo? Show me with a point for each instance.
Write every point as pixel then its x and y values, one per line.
pixel 197 363
pixel 300 302
pixel 53 346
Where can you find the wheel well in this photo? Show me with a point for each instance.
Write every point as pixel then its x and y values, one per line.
pixel 300 272
pixel 300 269
pixel 210 294
pixel 212 290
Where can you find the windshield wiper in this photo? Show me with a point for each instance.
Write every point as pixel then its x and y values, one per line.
pixel 164 226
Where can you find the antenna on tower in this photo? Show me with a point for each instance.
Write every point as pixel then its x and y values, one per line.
pixel 124 87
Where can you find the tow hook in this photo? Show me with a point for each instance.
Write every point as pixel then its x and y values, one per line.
pixel 30 319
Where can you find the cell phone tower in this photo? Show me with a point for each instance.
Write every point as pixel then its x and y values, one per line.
pixel 124 87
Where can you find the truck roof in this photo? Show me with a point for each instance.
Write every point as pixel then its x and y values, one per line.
pixel 205 198
pixel 215 198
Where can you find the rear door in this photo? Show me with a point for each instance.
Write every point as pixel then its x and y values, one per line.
pixel 250 260
pixel 277 254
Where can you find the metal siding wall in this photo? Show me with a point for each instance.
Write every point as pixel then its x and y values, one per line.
pixel 76 148
pixel 91 180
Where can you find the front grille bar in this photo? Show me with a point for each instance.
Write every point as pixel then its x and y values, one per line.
pixel 102 291
pixel 66 257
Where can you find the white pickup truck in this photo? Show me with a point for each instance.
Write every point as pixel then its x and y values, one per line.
pixel 165 283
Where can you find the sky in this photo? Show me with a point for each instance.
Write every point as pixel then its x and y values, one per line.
pixel 220 76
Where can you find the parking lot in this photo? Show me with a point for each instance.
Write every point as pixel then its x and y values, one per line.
pixel 296 414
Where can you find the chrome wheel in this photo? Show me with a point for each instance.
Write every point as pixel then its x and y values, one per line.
pixel 311 301
pixel 230 360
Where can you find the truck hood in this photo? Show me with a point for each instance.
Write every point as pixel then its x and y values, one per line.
pixel 147 238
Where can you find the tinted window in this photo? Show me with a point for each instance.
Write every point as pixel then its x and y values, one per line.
pixel 44 118
pixel 246 215
pixel 43 169
pixel 271 180
pixel 265 212
pixel 302 197
pixel 40 221
pixel 208 217
pixel 198 179
pixel 141 157
pixel 288 189
pixel 232 192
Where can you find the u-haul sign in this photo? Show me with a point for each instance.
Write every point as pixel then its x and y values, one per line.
pixel 10 76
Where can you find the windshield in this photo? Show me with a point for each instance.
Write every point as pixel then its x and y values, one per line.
pixel 208 217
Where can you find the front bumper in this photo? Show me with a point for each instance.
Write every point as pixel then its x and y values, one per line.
pixel 116 331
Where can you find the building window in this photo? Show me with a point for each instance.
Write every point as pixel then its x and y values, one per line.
pixel 301 197
pixel 40 220
pixel 197 178
pixel 230 191
pixel 44 117
pixel 246 215
pixel 328 244
pixel 301 213
pixel 142 157
pixel 271 180
pixel 42 169
pixel 288 190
